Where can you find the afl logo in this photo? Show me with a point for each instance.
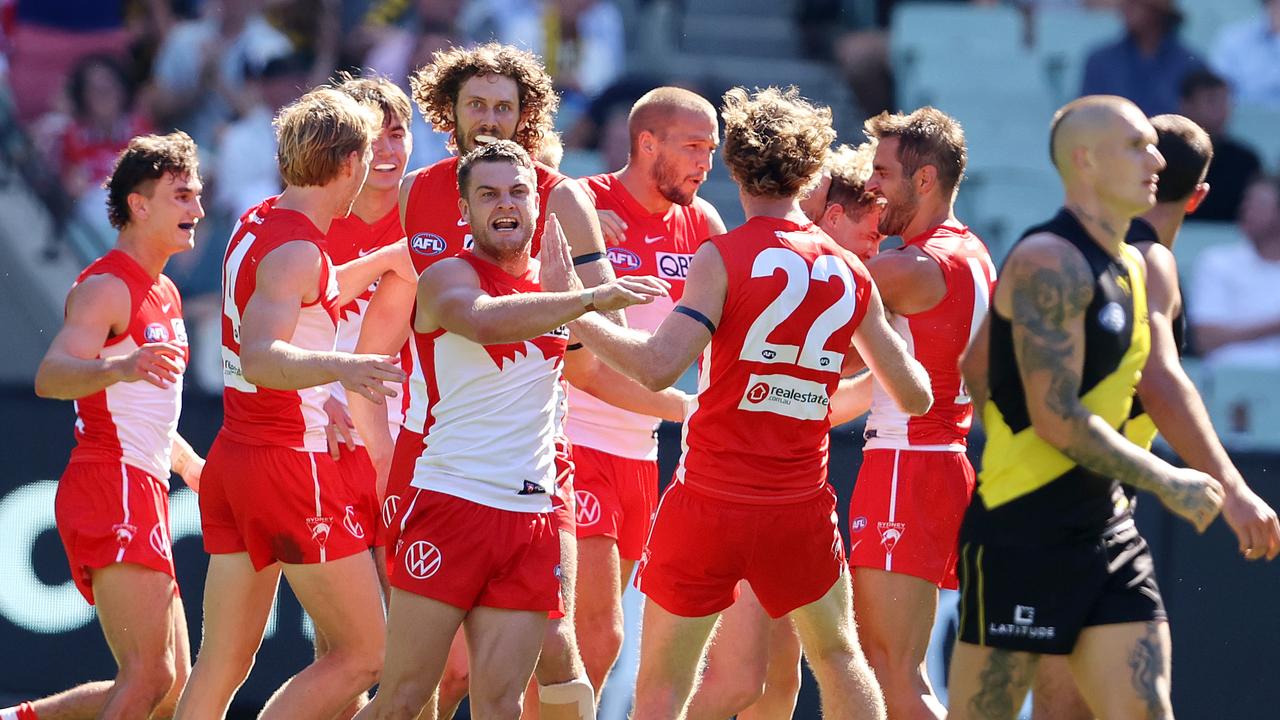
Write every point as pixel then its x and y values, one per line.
pixel 156 332
pixel 422 559
pixel 623 259
pixel 859 523
pixel 758 393
pixel 428 244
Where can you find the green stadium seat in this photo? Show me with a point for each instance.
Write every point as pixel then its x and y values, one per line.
pixel 1260 127
pixel 1061 40
pixel 999 204
pixel 925 35
pixel 1206 18
pixel 1244 403
pixel 1194 238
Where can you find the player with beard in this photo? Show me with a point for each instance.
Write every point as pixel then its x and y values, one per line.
pixel 121 355
pixel 915 479
pixel 1167 400
pixel 779 304
pixel 479 95
pixel 477 545
pixel 655 221
pixel 1050 559
pixel 272 499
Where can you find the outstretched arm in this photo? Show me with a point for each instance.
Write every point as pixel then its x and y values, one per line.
pixel 585 372
pixel 852 398
pixel 1046 289
pixel 1173 402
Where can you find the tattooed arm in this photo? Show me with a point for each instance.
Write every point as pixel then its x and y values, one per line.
pixel 1045 289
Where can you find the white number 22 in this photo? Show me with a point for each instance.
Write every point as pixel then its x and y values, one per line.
pixel 756 346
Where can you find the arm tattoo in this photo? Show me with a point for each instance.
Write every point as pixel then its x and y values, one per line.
pixel 1005 680
pixel 1146 660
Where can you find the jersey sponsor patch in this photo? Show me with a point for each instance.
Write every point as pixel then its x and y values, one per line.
pixel 623 259
pixel 428 244
pixel 1112 317
pixel 673 266
pixel 588 512
pixel 422 559
pixel 785 395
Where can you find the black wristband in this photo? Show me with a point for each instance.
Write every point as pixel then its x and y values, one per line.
pixel 588 258
pixel 690 312
pixel 572 346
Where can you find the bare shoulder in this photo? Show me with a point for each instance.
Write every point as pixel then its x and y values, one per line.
pixel 898 266
pixel 101 297
pixel 1049 278
pixel 714 221
pixel 449 273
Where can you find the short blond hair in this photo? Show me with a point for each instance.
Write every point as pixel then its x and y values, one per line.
pixel 317 132
pixel 775 142
pixel 377 91
pixel 926 136
pixel 850 169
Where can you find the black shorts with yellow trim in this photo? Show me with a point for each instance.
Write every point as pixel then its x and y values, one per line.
pixel 1038 598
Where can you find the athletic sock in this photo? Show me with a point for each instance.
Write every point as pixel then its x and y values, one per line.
pixel 19 712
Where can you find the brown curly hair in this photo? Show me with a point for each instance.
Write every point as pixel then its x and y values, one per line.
pixel 146 159
pixel 435 88
pixel 775 141
pixel 927 136
pixel 850 168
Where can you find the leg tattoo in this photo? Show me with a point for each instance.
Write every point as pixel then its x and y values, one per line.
pixel 1147 663
pixel 1004 682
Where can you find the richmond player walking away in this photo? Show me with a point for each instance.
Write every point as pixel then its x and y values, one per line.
pixel 915 479
pixel 479 95
pixel 273 500
pixel 776 304
pixel 1050 559
pixel 1167 400
pixel 477 545
pixel 121 355
pixel 655 222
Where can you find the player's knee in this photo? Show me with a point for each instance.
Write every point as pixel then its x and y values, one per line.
pixel 603 624
pixel 454 681
pixel 406 699
pixel 149 679
pixel 736 688
pixel 501 703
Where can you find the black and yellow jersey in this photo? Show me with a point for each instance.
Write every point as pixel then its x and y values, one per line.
pixel 1141 429
pixel 1028 490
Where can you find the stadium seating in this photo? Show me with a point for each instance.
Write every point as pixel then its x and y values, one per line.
pixel 1061 40
pixel 1260 127
pixel 1195 237
pixel 1206 18
pixel 1245 405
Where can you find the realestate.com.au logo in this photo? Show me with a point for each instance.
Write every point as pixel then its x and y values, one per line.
pixel 785 395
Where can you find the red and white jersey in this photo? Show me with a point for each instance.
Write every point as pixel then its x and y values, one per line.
pixel 261 416
pixel 435 228
pixel 490 431
pixel 937 338
pixel 134 422
pixel 757 433
pixel 659 244
pixel 350 238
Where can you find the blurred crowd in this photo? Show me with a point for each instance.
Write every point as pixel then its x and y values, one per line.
pixel 85 75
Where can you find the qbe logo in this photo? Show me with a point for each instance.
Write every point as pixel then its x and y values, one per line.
pixel 422 559
pixel 785 395
pixel 623 259
pixel 673 266
pixel 156 332
pixel 428 244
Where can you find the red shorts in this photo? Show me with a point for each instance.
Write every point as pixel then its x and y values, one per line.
pixel 471 555
pixel 616 498
pixel 111 513
pixel 563 505
pixel 403 459
pixel 701 547
pixel 905 513
pixel 362 481
pixel 279 504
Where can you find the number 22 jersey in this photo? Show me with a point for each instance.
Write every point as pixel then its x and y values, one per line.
pixel 757 433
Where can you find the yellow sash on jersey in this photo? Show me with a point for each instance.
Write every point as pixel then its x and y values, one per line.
pixel 1016 464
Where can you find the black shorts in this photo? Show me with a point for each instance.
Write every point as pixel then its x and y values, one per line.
pixel 1038 598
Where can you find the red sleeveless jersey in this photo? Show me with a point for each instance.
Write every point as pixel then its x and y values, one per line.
pixel 435 229
pixel 262 416
pixel 134 422
pixel 758 430
pixel 660 244
pixel 937 338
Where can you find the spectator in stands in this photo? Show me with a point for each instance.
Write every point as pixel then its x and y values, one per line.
pixel 1206 100
pixel 1148 63
pixel 1234 310
pixel 200 67
pixel 1247 54
pixel 49 36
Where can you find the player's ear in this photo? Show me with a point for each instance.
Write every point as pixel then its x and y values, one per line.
pixel 1197 197
pixel 464 210
pixel 138 209
pixel 832 214
pixel 926 179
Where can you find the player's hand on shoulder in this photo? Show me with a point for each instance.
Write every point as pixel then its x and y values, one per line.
pixel 612 226
pixel 627 291
pixel 556 272
pixel 1194 495
pixel 1254 523
pixel 158 363
pixel 368 375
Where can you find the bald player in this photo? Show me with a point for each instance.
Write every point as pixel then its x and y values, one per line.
pixel 1050 559
pixel 1167 400
pixel 655 222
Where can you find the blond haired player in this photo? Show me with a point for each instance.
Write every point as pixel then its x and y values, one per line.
pixel 273 500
